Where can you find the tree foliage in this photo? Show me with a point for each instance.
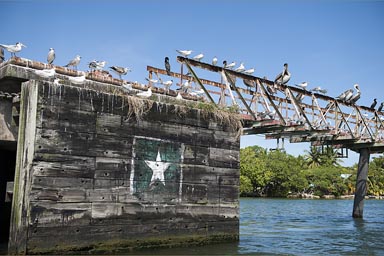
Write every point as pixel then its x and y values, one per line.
pixel 278 174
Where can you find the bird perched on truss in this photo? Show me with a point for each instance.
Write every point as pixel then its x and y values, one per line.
pixel 167 85
pixel 14 48
pixel 145 94
pixel 179 97
pixel 214 61
pixel 167 66
pixel 199 57
pixel 373 105
pixel 249 71
pixel 248 83
pixel 319 89
pixel 355 97
pixel 230 65
pixel 240 68
pixel 120 70
pixel 284 76
pixel 197 93
pixel 51 56
pixel 74 62
pixel 185 53
pixel 380 107
pixel 345 95
pixel 302 85
pixel 185 87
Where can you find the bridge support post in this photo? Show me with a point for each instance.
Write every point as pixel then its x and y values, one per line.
pixel 361 183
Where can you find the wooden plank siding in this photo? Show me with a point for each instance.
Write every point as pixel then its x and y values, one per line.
pixel 91 185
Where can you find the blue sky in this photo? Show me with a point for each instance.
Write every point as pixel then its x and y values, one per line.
pixel 332 44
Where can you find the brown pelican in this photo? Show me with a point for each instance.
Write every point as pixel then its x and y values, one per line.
pixel 347 94
pixel 355 97
pixel 284 76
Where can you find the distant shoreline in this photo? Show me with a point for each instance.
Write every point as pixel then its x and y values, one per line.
pixel 311 196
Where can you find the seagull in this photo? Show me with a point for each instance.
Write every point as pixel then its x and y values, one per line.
pixel 318 89
pixel 77 79
pixel 240 68
pixel 373 105
pixel 14 48
pixel 249 71
pixel 197 93
pixel 380 107
pixel 302 85
pixel 51 56
pixel 179 97
pixel 127 86
pixel 46 73
pixel 145 94
pixel 97 65
pixel 185 86
pixel 56 81
pixel 154 81
pixel 167 66
pixel 284 76
pixel 198 57
pixel 185 53
pixel 355 97
pixel 74 62
pixel 214 61
pixel 230 65
pixel 167 85
pixel 120 70
pixel 2 55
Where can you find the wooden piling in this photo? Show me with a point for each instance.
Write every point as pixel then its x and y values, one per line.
pixel 361 183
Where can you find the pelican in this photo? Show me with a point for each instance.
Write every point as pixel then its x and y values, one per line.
pixel 214 61
pixel 13 49
pixel 284 76
pixel 373 105
pixel 51 56
pixel 347 94
pixel 167 66
pixel 380 107
pixel 185 53
pixel 356 96
pixel 145 94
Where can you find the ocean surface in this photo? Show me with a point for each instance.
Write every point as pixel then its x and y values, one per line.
pixel 298 227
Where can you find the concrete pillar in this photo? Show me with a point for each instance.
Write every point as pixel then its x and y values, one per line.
pixel 361 183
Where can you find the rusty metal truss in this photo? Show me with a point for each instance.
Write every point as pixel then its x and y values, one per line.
pixel 283 111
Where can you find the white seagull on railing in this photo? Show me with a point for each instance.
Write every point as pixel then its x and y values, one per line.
pixel 51 56
pixel 120 70
pixel 214 61
pixel 249 71
pixel 302 85
pixel 230 65
pixel 97 65
pixel 318 89
pixel 185 53
pixel 199 57
pixel 145 94
pixel 240 68
pixel 197 93
pixel 13 49
pixel 74 62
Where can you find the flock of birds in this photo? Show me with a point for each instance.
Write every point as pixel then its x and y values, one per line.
pixel 282 78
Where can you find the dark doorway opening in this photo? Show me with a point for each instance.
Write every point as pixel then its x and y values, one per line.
pixel 7 173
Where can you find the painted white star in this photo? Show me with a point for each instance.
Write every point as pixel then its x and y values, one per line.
pixel 158 167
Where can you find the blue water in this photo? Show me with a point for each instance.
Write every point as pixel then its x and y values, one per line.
pixel 299 227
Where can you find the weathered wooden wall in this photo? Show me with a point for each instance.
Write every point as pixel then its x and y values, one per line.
pixel 92 176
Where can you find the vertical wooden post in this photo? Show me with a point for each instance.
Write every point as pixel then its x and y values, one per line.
pixel 361 183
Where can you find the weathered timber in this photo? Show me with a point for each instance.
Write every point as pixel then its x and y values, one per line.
pixel 361 183
pixel 102 172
